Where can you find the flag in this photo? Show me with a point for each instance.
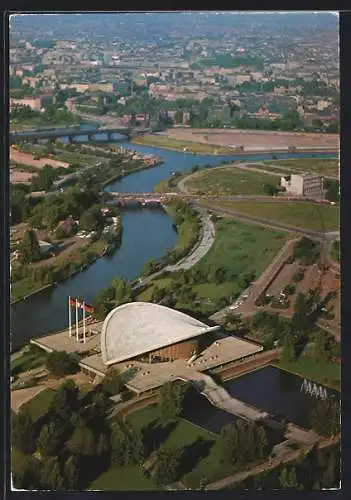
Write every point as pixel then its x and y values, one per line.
pixel 81 305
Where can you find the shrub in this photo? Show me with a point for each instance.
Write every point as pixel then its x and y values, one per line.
pixel 298 276
pixel 60 363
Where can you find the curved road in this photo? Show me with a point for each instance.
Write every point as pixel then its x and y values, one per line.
pixel 196 253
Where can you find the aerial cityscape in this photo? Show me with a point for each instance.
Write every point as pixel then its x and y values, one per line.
pixel 174 251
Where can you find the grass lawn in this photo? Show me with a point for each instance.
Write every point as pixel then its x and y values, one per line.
pixel 146 294
pixel 23 287
pixel 167 143
pixel 28 361
pixel 123 479
pixel 323 372
pixel 299 214
pixel 39 405
pixel 229 181
pixel 241 248
pixel 326 167
pixel 75 157
pixel 188 436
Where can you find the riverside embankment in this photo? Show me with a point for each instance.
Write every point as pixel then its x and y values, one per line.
pixel 147 235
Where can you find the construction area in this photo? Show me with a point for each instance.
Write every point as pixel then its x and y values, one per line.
pixel 255 140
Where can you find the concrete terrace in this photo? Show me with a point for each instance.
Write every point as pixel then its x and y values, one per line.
pixel 61 341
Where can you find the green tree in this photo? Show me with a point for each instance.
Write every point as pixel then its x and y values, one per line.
pixel 227 443
pixel 329 476
pixel 26 473
pixel 320 352
pixel 126 444
pixel 48 440
pixel 288 353
pixel 82 441
pixel 261 442
pixel 30 250
pixel 91 219
pixel 325 417
pixel 71 473
pixel 51 475
pixel 65 401
pixel 301 319
pixel 23 432
pixel 166 466
pixel 122 291
pixel 102 445
pixel 332 190
pixel 287 479
pixel 270 189
pixel 44 179
pixel 112 382
pixel 170 402
pixel 157 294
pixel 61 363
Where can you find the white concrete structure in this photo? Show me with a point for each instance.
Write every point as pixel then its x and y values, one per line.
pixel 136 328
pixel 304 184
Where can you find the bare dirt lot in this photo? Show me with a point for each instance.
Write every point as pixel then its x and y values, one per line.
pixel 255 139
pixel 18 177
pixel 28 159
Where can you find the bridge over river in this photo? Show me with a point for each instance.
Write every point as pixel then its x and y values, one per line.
pixel 71 132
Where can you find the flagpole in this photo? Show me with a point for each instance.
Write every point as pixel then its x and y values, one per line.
pixel 77 336
pixel 84 322
pixel 69 316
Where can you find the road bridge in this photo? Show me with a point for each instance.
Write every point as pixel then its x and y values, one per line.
pixel 72 132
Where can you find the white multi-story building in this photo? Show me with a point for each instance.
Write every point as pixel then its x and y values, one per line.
pixel 305 184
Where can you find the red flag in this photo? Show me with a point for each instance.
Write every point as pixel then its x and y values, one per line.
pixel 81 305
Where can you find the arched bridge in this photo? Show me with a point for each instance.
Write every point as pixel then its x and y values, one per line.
pixel 72 132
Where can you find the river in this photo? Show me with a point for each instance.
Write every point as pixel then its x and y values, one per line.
pixel 147 233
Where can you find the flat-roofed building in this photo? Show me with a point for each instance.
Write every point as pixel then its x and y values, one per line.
pixel 306 184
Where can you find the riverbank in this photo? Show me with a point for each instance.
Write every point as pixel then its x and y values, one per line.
pixel 74 264
pixel 164 142
pixel 150 230
pixel 129 172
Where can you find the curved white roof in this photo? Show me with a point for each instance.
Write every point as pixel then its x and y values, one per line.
pixel 140 327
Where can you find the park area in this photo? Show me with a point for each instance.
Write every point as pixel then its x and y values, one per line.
pixel 229 181
pixel 326 167
pixel 324 372
pixel 239 251
pixel 199 459
pixel 312 216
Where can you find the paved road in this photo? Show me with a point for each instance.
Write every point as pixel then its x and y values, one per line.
pixel 198 251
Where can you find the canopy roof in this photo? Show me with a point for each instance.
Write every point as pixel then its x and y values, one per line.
pixel 136 328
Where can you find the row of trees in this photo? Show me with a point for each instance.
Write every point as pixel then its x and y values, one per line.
pixel 319 469
pixel 51 114
pixel 119 292
pixel 241 443
pixel 72 443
